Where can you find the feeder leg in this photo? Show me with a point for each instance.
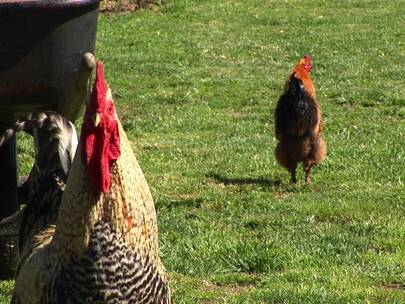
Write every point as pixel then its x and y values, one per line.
pixel 8 204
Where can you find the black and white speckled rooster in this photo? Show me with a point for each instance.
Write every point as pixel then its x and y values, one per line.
pixel 55 143
pixel 105 247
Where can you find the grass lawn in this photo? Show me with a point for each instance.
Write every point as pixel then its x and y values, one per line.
pixel 196 83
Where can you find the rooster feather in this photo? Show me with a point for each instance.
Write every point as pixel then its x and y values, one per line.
pixel 298 123
pixel 105 246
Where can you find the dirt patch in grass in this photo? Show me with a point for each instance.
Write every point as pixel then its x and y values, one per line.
pixel 396 286
pixel 117 6
pixel 229 288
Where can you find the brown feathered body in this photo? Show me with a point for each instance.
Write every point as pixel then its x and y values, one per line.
pixel 298 123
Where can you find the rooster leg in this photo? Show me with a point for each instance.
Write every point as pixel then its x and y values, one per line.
pixel 308 179
pixel 284 159
pixel 293 177
pixel 307 169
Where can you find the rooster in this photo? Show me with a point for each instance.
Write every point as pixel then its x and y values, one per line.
pixel 105 247
pixel 298 123
pixel 55 143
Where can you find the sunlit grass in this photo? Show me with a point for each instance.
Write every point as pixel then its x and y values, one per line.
pixel 196 83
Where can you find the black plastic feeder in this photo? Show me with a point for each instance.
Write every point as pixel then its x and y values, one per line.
pixel 42 45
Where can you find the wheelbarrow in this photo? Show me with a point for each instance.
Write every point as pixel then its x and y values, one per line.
pixel 44 66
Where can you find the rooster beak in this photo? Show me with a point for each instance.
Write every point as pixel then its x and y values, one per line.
pixel 96 118
pixel 108 96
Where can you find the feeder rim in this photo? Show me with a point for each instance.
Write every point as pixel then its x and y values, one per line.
pixel 44 4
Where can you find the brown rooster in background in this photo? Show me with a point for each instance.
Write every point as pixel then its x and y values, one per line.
pixel 105 247
pixel 299 123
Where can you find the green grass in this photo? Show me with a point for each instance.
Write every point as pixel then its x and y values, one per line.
pixel 6 288
pixel 196 83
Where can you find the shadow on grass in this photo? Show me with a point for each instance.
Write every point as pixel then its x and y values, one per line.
pixel 180 203
pixel 264 182
pixel 189 203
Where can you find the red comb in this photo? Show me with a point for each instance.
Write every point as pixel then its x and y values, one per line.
pixel 101 143
pixel 307 63
pixel 99 88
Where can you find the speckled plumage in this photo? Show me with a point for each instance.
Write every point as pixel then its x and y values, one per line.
pixel 94 232
pixel 98 277
pixel 55 143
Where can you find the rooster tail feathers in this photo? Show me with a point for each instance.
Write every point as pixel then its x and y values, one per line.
pixel 67 146
pixel 10 225
pixel 297 86
pixel 26 124
pixel 55 143
pixel 47 128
